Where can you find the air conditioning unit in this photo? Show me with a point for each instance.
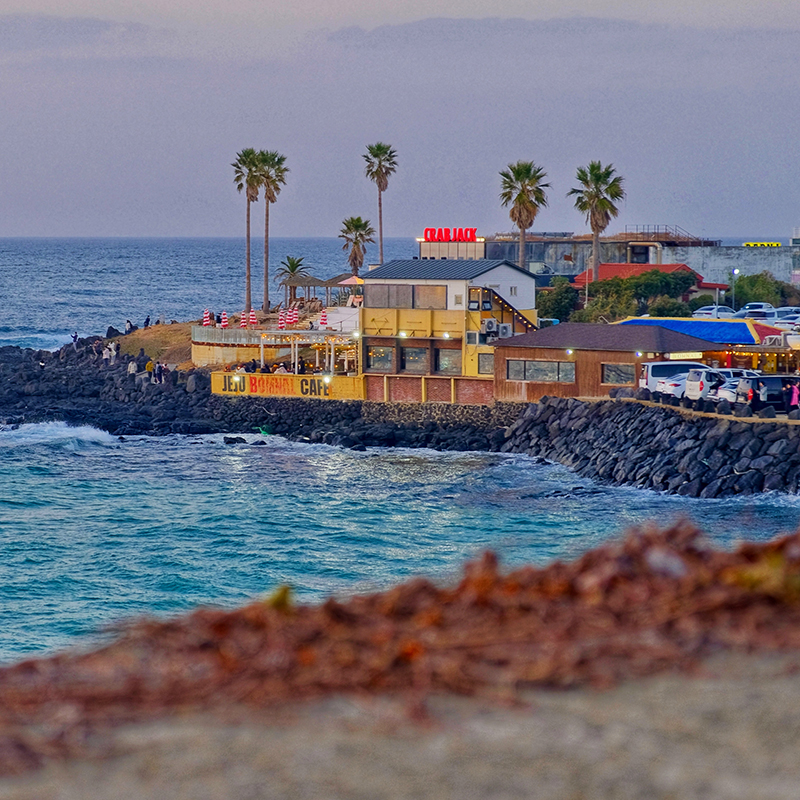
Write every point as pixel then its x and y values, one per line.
pixel 505 330
pixel 489 325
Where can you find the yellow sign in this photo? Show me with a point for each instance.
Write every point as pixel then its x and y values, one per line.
pixel 761 244
pixel 318 387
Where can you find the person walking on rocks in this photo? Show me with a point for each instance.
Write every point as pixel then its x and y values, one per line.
pixel 75 341
pixel 114 349
pixel 132 369
pixel 149 367
pixel 106 355
pixel 157 372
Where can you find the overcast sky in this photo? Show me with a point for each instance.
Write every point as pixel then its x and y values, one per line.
pixel 121 119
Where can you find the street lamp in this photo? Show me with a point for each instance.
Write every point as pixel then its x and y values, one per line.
pixel 733 288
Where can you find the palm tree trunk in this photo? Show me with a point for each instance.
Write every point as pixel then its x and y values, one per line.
pixel 265 306
pixel 380 226
pixel 521 247
pixel 595 255
pixel 247 261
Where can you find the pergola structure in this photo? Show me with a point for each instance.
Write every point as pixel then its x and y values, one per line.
pixel 306 282
pixel 325 343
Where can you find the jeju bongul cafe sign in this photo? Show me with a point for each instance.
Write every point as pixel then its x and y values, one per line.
pixel 450 235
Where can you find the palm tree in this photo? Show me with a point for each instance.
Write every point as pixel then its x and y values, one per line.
pixel 272 175
pixel 357 233
pixel 381 163
pixel 523 189
pixel 599 188
pixel 245 176
pixel 292 268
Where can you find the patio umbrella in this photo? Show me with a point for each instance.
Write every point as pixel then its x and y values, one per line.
pixel 323 318
pixel 224 323
pixel 206 318
pixel 253 317
pixel 243 320
pixel 353 280
pixel 281 319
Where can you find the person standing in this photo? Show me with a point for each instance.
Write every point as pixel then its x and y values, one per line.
pixel 75 341
pixel 147 322
pixel 132 367
pixel 763 393
pixel 794 395
pixel 157 372
pixel 106 355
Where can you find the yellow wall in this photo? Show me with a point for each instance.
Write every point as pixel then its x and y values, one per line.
pixel 412 321
pixel 238 384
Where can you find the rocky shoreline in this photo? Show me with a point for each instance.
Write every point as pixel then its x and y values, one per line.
pixel 621 441
pixel 74 386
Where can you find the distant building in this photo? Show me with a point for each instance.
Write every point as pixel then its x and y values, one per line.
pixel 428 327
pixel 608 271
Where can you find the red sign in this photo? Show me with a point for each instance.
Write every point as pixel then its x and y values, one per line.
pixel 450 235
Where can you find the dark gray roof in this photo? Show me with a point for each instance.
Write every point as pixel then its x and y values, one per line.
pixel 594 336
pixel 438 269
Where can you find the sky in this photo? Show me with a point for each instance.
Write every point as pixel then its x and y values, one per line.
pixel 122 118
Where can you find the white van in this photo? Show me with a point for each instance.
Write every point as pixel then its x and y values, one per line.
pixel 653 370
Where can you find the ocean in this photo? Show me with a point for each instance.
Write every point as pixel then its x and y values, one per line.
pixel 95 530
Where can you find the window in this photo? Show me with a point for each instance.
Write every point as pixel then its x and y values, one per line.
pixel 414 359
pixel 458 299
pixel 541 371
pixel 617 373
pixel 512 291
pixel 430 297
pixel 380 358
pixel 396 295
pixel 485 363
pixel 448 362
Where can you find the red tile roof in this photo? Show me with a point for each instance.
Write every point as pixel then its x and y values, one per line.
pixel 608 271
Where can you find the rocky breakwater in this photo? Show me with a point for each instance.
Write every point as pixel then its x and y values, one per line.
pixel 638 444
pixel 75 385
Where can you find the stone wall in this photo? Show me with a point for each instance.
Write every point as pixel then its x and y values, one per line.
pixel 628 442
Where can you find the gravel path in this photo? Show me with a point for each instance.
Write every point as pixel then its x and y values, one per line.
pixel 731 732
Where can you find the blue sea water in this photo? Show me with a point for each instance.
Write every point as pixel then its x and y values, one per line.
pixel 93 529
pixel 52 287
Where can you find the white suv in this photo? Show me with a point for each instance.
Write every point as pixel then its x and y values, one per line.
pixel 653 371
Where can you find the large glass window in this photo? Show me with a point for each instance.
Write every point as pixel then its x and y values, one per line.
pixel 430 297
pixel 448 362
pixel 485 363
pixel 380 358
pixel 393 295
pixel 617 373
pixel 541 371
pixel 515 370
pixel 414 359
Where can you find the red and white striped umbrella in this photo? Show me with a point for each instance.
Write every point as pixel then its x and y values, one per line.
pixel 295 316
pixel 243 320
pixel 206 318
pixel 253 317
pixel 323 318
pixel 281 320
pixel 224 322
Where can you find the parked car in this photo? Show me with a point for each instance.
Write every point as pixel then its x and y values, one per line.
pixel 787 323
pixel 707 384
pixel 652 371
pixel 757 307
pixel 767 315
pixel 725 392
pixel 748 386
pixel 786 311
pixel 713 312
pixel 672 387
pixel 699 382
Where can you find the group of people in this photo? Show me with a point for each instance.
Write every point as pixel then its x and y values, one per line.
pixel 278 368
pixel 758 395
pixel 158 371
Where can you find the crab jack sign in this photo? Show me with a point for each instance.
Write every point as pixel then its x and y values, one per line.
pixel 450 235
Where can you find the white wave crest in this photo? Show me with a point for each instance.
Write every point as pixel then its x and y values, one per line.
pixel 53 433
